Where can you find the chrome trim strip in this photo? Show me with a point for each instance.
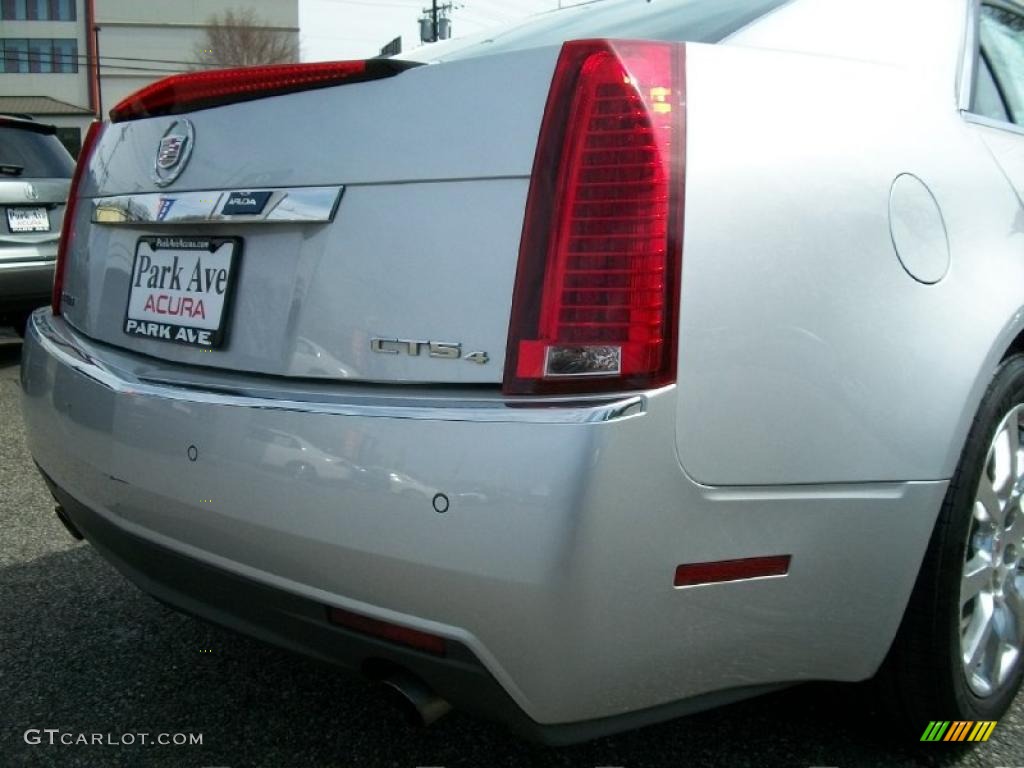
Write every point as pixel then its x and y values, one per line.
pixel 302 205
pixel 968 65
pixel 56 338
pixel 988 122
pixel 968 56
pixel 882 489
pixel 48 263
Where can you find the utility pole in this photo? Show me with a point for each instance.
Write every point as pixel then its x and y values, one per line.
pixel 435 23
pixel 99 80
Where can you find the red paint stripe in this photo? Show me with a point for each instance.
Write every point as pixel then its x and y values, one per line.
pixel 689 574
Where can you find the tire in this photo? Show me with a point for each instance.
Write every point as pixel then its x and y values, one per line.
pixel 925 675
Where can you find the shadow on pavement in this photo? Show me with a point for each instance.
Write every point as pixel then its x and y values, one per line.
pixel 85 652
pixel 10 355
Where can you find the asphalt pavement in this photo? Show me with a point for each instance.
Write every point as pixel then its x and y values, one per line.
pixel 83 652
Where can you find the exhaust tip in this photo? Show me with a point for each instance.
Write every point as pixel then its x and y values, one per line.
pixel 421 706
pixel 63 517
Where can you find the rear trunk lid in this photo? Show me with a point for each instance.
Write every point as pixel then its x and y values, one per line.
pixel 371 231
pixel 368 231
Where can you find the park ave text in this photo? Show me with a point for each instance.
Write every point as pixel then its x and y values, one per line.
pixel 171 277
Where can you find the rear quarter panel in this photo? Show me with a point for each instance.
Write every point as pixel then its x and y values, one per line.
pixel 808 354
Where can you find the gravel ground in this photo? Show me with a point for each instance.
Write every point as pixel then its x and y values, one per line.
pixel 83 651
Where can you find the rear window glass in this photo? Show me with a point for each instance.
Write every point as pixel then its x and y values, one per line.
pixel 41 156
pixel 698 21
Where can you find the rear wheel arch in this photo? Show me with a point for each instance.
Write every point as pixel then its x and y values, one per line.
pixel 918 679
pixel 1009 342
pixel 1016 346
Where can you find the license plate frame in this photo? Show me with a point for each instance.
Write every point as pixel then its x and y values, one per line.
pixel 41 218
pixel 168 280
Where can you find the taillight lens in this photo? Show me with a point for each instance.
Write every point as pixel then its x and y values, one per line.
pixel 67 231
pixel 217 87
pixel 596 297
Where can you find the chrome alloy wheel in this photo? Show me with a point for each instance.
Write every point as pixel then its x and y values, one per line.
pixel 992 583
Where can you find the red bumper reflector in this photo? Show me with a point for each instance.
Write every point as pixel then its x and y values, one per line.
pixel 691 574
pixel 411 638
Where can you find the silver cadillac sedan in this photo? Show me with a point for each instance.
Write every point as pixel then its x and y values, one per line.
pixel 632 360
pixel 35 171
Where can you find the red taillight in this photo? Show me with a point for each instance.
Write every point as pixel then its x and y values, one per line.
pixel 385 630
pixel 596 298
pixel 217 87
pixel 67 235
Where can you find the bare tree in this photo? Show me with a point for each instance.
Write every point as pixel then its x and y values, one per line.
pixel 242 39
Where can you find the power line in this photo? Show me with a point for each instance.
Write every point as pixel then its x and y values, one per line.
pixel 84 58
pixel 10 54
pixel 151 61
pixel 375 4
pixel 340 37
pixel 80 58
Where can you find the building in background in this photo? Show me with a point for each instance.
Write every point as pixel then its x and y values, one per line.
pixel 48 51
pixel 42 69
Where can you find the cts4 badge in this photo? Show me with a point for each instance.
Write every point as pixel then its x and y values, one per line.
pixel 173 152
pixel 440 349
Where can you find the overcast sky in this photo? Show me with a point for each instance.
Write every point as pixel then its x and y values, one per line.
pixel 356 29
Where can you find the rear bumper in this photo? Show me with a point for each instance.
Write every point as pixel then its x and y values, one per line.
pixel 552 566
pixel 297 623
pixel 276 616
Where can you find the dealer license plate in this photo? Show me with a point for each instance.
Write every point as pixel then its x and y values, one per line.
pixel 181 289
pixel 28 220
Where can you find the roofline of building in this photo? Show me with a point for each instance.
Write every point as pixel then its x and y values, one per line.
pixel 70 110
pixel 183 25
